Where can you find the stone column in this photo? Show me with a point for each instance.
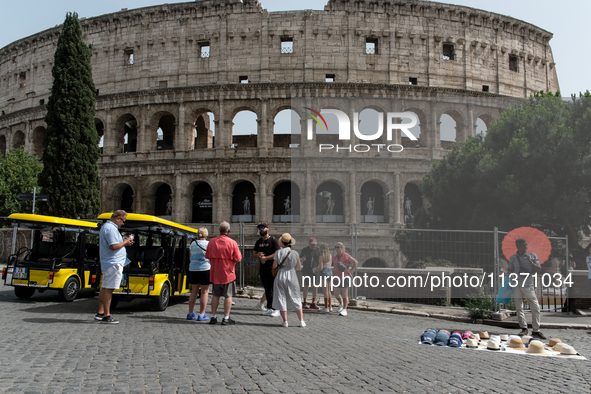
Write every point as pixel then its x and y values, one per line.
pixel 143 137
pixel 307 202
pixel 137 198
pixel 470 128
pixel 353 206
pixel 218 200
pixel 110 135
pixel 264 135
pixel 396 199
pixel 433 128
pixel 180 140
pixel 178 208
pixel 261 199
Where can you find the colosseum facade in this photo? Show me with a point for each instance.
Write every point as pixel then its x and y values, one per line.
pixel 171 79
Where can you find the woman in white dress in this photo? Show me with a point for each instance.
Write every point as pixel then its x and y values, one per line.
pixel 286 289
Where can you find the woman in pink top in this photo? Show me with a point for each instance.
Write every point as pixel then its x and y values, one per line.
pixel 343 266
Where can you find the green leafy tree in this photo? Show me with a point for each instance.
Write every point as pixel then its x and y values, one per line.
pixel 18 174
pixel 70 170
pixel 533 168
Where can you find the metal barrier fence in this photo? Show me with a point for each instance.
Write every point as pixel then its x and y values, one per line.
pixel 382 247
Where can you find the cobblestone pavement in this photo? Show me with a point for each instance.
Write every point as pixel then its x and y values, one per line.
pixel 50 347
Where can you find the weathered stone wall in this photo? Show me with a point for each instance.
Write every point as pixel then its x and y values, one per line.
pixel 170 85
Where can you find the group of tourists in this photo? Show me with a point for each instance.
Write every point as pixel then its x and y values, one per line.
pixel 213 263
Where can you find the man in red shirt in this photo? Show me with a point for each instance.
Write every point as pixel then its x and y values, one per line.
pixel 223 254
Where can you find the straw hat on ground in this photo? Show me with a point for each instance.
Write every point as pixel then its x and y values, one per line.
pixel 537 347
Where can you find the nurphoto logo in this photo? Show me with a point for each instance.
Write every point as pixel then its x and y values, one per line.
pixel 393 123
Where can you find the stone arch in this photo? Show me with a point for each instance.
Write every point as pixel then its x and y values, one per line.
pixel 156 199
pixel 368 123
pixel 483 123
pixel 38 137
pixel 418 131
pixel 286 202
pixel 99 125
pixel 243 202
pixel 122 197
pixel 161 131
pixel 374 262
pixel 203 121
pixel 287 130
pixel 323 136
pixel 126 134
pixel 372 205
pixel 451 127
pixel 202 203
pixel 412 193
pixel 3 145
pixel 18 139
pixel 330 202
pixel 245 128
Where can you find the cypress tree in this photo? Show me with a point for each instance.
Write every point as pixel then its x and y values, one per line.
pixel 70 170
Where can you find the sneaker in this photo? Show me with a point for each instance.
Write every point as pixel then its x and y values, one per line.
pixel 324 310
pixel 213 320
pixel 340 308
pixel 109 320
pixel 261 307
pixel 274 314
pixel 228 322
pixel 191 316
pixel 202 317
pixel 284 324
pixel 523 332
pixel 314 306
pixel 233 303
pixel 302 324
pixel 268 312
pixel 343 312
pixel 538 334
pixel 305 305
pixel 99 316
pixel 330 309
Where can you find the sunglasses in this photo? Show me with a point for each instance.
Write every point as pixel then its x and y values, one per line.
pixel 261 227
pixel 122 221
pixel 337 247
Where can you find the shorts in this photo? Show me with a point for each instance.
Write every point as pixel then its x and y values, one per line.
pixel 327 272
pixel 198 278
pixel 112 277
pixel 228 290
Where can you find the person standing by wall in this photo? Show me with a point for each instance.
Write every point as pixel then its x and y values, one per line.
pixel 264 250
pixel 344 264
pixel 199 276
pixel 113 257
pixel 309 260
pixel 324 270
pixel 223 254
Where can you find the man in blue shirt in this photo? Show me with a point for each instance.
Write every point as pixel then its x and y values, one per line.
pixel 113 257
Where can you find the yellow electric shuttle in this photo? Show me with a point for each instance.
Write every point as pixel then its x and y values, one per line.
pixel 159 258
pixel 64 256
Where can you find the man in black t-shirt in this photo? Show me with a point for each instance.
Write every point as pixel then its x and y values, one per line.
pixel 264 250
pixel 309 259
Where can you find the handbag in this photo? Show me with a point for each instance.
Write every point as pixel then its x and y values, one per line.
pixel 275 270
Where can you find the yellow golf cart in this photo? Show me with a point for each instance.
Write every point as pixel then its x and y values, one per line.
pixel 64 256
pixel 159 257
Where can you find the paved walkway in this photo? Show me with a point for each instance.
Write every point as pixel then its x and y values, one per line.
pixel 50 347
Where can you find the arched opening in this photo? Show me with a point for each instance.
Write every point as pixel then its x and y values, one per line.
pixel 369 125
pixel 374 262
pixel 326 133
pixel 447 129
pixel 38 136
pixel 243 203
pixel 2 145
pixel 481 127
pixel 127 134
pixel 372 203
pixel 204 131
pixel 165 133
pixel 329 203
pixel 18 140
pixel 413 200
pixel 286 203
pixel 244 130
pixel 100 130
pixel 163 202
pixel 202 204
pixel 415 131
pixel 127 200
pixel 287 130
